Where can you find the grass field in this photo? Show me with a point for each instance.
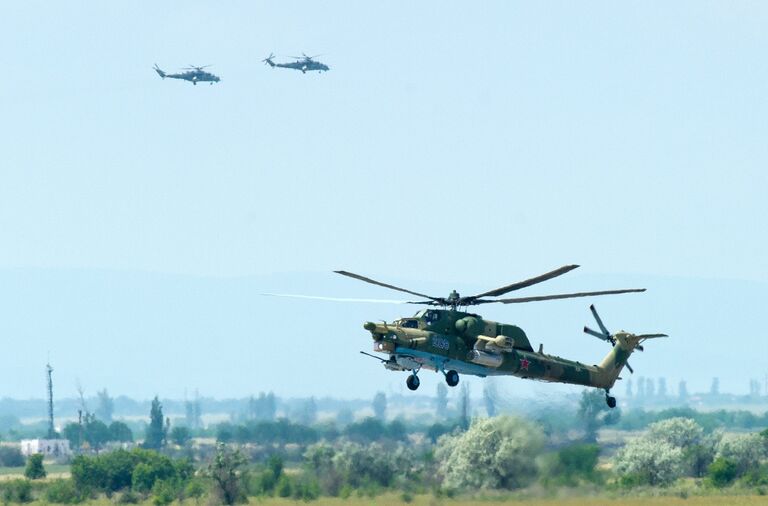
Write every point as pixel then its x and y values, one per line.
pixel 53 470
pixel 386 500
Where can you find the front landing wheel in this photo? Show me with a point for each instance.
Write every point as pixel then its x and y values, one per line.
pixel 611 401
pixel 412 382
pixel 452 378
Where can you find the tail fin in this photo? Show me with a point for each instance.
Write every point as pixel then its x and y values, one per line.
pixel 618 357
pixel 268 60
pixel 159 72
pixel 624 344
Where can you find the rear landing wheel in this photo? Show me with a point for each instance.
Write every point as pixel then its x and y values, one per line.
pixel 452 378
pixel 412 382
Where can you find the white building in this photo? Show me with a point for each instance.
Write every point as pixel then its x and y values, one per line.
pixel 48 447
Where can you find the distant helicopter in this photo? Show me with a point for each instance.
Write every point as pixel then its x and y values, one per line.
pixel 193 74
pixel 304 63
pixel 451 340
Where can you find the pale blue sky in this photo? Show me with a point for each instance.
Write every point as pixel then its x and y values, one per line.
pixel 451 142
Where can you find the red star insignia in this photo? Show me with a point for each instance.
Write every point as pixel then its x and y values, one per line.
pixel 524 363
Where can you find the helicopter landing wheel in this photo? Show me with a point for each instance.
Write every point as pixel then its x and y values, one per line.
pixel 610 400
pixel 412 382
pixel 452 378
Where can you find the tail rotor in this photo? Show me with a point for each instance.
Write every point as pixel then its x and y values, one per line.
pixel 604 334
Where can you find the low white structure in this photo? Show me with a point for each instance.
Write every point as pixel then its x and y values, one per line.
pixel 48 447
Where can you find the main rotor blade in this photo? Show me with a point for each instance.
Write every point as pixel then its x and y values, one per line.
pixel 338 299
pixel 566 296
pixel 523 284
pixel 598 319
pixel 604 337
pixel 385 285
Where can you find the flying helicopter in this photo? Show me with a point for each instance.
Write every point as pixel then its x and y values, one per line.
pixel 193 74
pixel 447 338
pixel 304 63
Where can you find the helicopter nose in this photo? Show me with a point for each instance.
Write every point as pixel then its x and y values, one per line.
pixel 369 326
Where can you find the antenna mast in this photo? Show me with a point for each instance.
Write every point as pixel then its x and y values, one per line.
pixel 51 429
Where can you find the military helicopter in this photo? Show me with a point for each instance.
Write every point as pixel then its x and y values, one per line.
pixel 453 341
pixel 193 74
pixel 304 63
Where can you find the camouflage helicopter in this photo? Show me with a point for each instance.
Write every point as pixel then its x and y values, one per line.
pixel 304 63
pixel 453 341
pixel 193 74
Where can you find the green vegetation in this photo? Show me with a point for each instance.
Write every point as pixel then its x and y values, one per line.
pixel 10 456
pixel 35 469
pixel 155 438
pixel 280 461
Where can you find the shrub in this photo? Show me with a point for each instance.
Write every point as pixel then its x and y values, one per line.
pixel 644 461
pixel 680 432
pixel 122 469
pixel 62 492
pixel 744 450
pixel 722 472
pixel 19 491
pixel 164 492
pixel 305 488
pixel 129 497
pixel 756 477
pixel 35 469
pixel 284 488
pixel 195 489
pixel 494 453
pixel 578 460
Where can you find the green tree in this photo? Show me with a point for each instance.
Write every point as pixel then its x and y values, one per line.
pixel 35 469
pixel 494 453
pixel 105 407
pixel 380 406
pixel 119 431
pixel 490 396
pixel 594 413
pixel 441 401
pixel 308 412
pixel 155 437
pixel 10 456
pixel 193 413
pixel 226 471
pixel 181 435
pixel 344 417
pixel 465 410
pixel 95 431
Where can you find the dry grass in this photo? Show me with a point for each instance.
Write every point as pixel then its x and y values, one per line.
pixel 396 500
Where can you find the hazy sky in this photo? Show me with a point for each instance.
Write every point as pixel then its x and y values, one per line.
pixel 451 141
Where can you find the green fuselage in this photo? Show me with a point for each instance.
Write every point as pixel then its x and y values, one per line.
pixel 445 340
